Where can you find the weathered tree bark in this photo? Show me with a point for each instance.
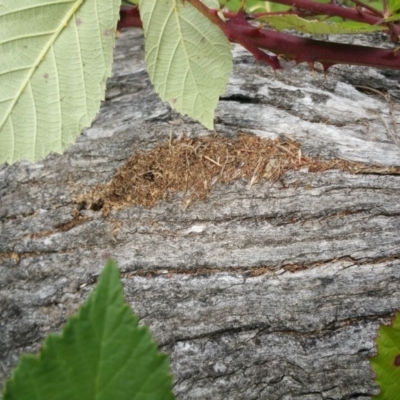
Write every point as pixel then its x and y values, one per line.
pixel 269 292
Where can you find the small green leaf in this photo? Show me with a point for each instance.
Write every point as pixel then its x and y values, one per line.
pixel 394 5
pixel 188 58
pixel 102 354
pixel 55 57
pixel 386 364
pixel 315 27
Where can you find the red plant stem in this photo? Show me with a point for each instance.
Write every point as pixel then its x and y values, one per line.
pixel 129 17
pixel 239 30
pixel 393 32
pixel 327 53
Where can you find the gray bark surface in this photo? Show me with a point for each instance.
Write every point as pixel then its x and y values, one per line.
pixel 269 292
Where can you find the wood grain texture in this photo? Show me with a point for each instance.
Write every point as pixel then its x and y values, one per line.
pixel 269 292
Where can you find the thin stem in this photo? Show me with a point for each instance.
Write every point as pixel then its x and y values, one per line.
pixel 368 7
pixel 332 10
pixel 288 12
pixel 385 7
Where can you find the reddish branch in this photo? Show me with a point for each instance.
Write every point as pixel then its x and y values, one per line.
pixel 129 17
pixel 239 30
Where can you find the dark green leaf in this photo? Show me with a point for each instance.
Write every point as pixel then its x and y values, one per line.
pixel 386 363
pixel 101 354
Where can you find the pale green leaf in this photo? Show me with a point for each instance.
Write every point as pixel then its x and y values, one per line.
pixel 102 354
pixel 315 27
pixel 55 57
pixel 188 58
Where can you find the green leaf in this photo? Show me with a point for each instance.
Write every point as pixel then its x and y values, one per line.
pixel 188 58
pixel 386 364
pixel 394 5
pixel 280 22
pixel 102 354
pixel 55 57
